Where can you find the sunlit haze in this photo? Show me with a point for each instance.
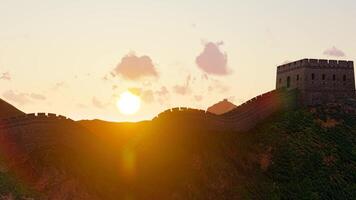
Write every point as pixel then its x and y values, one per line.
pixel 76 58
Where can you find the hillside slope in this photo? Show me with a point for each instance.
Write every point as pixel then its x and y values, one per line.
pixel 8 110
pixel 299 154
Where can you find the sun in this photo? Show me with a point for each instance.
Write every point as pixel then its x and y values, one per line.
pixel 128 103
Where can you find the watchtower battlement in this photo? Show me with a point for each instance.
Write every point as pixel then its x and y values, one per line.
pixel 317 80
pixel 315 63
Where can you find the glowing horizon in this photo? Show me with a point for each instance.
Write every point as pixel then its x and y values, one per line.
pixel 76 58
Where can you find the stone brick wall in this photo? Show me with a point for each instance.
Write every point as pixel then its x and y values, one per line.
pixel 242 118
pixel 30 119
pixel 319 81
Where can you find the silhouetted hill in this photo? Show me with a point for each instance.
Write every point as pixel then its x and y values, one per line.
pixel 7 110
pixel 221 107
pixel 50 157
pixel 298 154
pixel 305 153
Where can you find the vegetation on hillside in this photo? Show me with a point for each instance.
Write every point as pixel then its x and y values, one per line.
pixel 313 156
pixel 299 154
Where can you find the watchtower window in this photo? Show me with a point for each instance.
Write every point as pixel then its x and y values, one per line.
pixel 297 77
pixel 313 76
pixel 280 80
pixel 323 77
pixel 334 77
pixel 344 78
pixel 288 81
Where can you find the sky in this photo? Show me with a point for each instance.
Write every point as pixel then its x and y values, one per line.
pixel 75 57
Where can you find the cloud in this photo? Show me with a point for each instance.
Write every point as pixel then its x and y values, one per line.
pixel 98 104
pixel 212 60
pixel 133 67
pixel 21 97
pixel 114 87
pixel 218 86
pixel 162 95
pixel 151 96
pixel 204 76
pixel 5 76
pixel 163 91
pixel 106 77
pixel 198 98
pixel 59 85
pixel 146 96
pixel 180 89
pixel 334 52
pixel 135 90
pixel 183 89
pixel 37 96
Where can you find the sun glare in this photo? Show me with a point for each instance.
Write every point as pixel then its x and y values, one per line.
pixel 128 103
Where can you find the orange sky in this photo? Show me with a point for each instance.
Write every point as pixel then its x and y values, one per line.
pixel 76 57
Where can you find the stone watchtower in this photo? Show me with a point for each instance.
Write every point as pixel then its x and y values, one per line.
pixel 318 81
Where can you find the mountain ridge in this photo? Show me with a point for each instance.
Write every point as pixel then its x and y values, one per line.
pixel 8 110
pixel 221 107
pixel 300 153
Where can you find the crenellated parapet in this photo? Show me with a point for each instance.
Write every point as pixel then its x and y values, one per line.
pixel 252 112
pixel 32 118
pixel 318 81
pixel 183 111
pixel 243 117
pixel 315 63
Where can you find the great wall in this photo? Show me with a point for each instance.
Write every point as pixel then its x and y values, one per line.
pixel 31 119
pixel 318 81
pixel 315 63
pixel 306 82
pixel 242 118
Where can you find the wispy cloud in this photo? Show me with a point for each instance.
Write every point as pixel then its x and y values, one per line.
pixel 198 98
pixel 98 103
pixel 334 52
pixel 59 85
pixel 21 97
pixel 5 76
pixel 146 95
pixel 37 96
pixel 162 95
pixel 185 88
pixel 216 85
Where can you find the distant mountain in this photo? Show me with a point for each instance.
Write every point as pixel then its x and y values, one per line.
pixel 221 107
pixel 8 110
